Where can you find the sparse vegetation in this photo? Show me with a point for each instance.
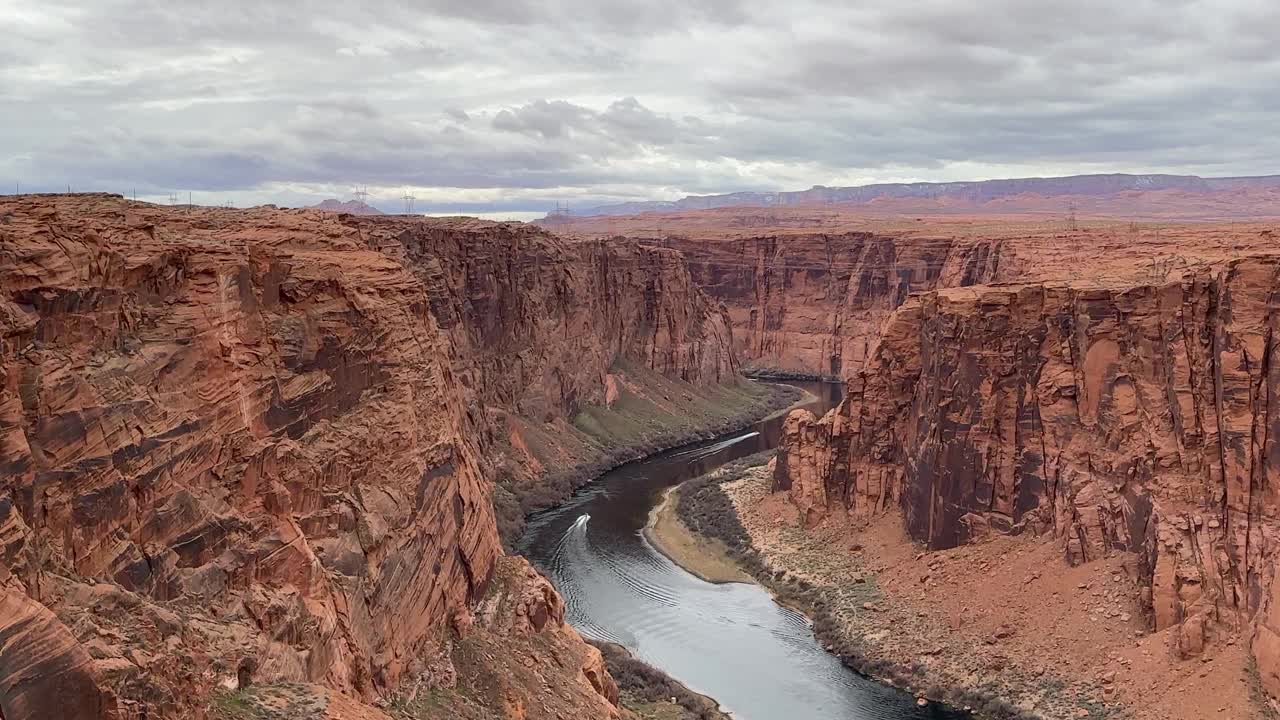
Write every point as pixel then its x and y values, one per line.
pixel 277 701
pixel 1266 710
pixel 654 413
pixel 649 691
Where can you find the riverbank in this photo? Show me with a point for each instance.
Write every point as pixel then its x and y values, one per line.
pixel 985 626
pixel 541 465
pixel 703 556
pixel 652 694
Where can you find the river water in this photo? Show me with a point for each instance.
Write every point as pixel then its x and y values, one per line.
pixel 729 641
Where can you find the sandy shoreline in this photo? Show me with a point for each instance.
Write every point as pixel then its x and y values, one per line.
pixel 706 558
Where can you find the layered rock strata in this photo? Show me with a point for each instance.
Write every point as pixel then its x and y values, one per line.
pixel 1134 418
pixel 256 440
pixel 813 305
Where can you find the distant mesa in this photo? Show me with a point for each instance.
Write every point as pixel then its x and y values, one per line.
pixel 1008 195
pixel 352 207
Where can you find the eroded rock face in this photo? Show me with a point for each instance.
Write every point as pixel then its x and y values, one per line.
pixel 524 605
pixel 43 666
pixel 260 433
pixel 814 304
pixel 253 410
pixel 538 322
pixel 1135 418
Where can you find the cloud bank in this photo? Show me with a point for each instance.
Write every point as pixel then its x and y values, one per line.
pixel 509 105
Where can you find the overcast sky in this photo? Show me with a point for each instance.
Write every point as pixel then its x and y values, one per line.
pixel 503 105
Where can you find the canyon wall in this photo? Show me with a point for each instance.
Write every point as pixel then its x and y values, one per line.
pixel 543 328
pixel 256 440
pixel 1117 417
pixel 813 305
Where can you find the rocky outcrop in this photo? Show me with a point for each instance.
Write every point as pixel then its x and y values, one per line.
pixel 262 434
pixel 525 609
pixel 813 305
pixel 352 207
pixel 1133 418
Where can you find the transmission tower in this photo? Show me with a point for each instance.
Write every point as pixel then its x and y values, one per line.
pixel 362 194
pixel 1071 217
pixel 408 199
pixel 173 198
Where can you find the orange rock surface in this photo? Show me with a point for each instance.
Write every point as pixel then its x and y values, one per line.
pixel 255 439
pixel 1130 417
pixel 809 289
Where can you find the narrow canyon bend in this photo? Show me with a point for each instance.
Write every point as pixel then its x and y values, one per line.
pixel 280 459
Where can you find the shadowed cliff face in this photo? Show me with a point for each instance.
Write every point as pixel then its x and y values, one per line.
pixel 1135 418
pixel 814 304
pixel 543 329
pixel 251 430
pixel 566 311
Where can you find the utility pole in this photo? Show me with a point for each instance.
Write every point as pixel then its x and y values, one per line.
pixel 1072 217
pixel 408 199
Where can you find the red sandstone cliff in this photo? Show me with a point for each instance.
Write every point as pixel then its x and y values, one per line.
pixel 542 329
pixel 1118 418
pixel 814 304
pixel 238 446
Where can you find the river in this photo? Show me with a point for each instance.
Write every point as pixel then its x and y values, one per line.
pixel 731 641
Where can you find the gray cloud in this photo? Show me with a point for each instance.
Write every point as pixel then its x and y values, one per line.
pixel 511 105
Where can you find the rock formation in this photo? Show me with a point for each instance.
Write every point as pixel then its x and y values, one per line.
pixel 1132 417
pixel 540 328
pixel 812 305
pixel 352 207
pixel 254 440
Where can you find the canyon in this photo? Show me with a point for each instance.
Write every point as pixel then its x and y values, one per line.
pixel 1099 385
pixel 274 460
pixel 247 455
